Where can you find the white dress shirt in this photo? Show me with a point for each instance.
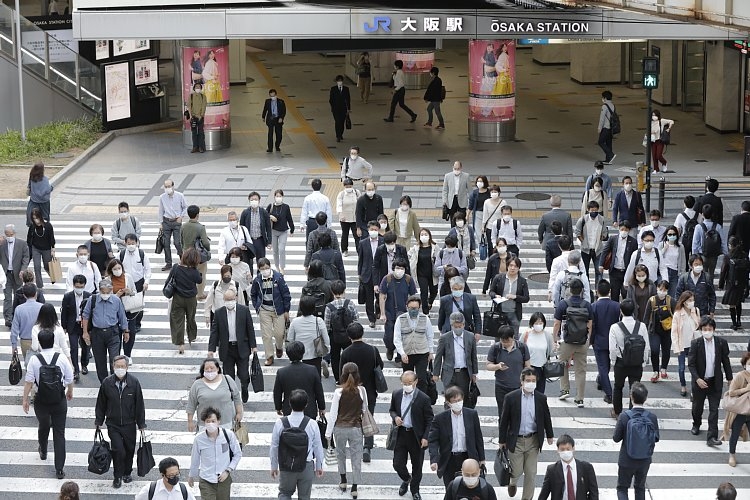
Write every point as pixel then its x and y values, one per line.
pixel 232 323
pixel 459 351
pixel 161 492
pixel 230 238
pixel 459 432
pixel 89 270
pixel 710 357
pixel 574 475
pixel 406 399
pixel 132 265
pixel 315 202
pixel 506 230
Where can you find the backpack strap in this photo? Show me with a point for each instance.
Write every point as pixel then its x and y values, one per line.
pixel 515 227
pixel 151 490
pixel 454 488
pixel 183 489
pixel 285 422
pixel 230 388
pixel 303 425
pixel 229 444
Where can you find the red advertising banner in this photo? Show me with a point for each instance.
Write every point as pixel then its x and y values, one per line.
pixel 209 66
pixel 492 80
pixel 416 61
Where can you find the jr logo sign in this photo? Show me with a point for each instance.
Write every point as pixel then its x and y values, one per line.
pixel 383 23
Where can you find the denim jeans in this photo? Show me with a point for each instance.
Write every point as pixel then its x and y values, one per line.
pixel 681 365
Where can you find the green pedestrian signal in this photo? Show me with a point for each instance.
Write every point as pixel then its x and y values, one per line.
pixel 650 81
pixel 650 72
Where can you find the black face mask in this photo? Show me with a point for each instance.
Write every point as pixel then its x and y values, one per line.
pixel 226 279
pixel 174 480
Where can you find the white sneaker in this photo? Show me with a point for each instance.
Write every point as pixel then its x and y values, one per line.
pixel 130 361
pixel 663 168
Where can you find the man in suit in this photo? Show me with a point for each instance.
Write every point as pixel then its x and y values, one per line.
pixel 706 357
pixel 461 302
pixel 274 112
pixel 366 357
pixel 257 220
pixel 456 357
pixel 740 226
pixel 448 452
pixel 385 254
pixel 412 413
pixel 620 247
pixel 456 191
pixel 341 105
pixel 367 276
pixel 606 312
pixel 189 233
pixel 232 331
pixel 298 375
pixel 628 206
pixel 552 246
pixel 710 198
pixel 14 257
pixel 70 319
pixel 569 478
pixel 369 206
pixel 525 417
pixel 555 214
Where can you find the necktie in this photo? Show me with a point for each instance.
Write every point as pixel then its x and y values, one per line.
pixel 571 490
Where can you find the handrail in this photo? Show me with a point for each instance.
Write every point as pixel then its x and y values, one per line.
pixel 51 60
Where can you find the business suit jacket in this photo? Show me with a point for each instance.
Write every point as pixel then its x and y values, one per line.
pixel 510 421
pixel 280 110
pixel 265 223
pixel 244 331
pixel 716 204
pixel 68 312
pixel 497 287
pixel 441 438
pixel 611 245
pixel 551 251
pixel 366 357
pixel 621 211
pixel 697 361
pixel 298 375
pixel 472 314
pixel 445 356
pixel 365 260
pixel 449 189
pixel 545 225
pixel 19 259
pixel 340 100
pixel 740 227
pixel 555 482
pixel 421 412
pixel 380 267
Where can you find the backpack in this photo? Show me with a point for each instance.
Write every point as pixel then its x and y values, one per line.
pixel 140 254
pixel 442 93
pixel 320 299
pixel 202 251
pixel 614 121
pixel 50 386
pixel 640 435
pixel 576 323
pixel 711 241
pixel 118 224
pixel 515 226
pixel 689 230
pixel 340 318
pixel 330 271
pixel 565 293
pixel 152 489
pixel 634 346
pixel 293 443
pixel 460 254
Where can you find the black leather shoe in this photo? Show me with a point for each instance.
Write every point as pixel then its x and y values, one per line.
pixel 60 474
pixel 695 430
pixel 127 479
pixel 389 354
pixel 76 377
pixel 416 496
pixel 608 399
pixel 713 442
pixel 245 395
pixel 84 370
pixel 116 482
pixel 366 455
pixel 403 488
pixel 42 453
pixel 167 267
pixel 512 489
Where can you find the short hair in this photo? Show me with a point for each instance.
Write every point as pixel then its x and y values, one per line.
pixel 555 200
pixel 95 227
pixel 202 369
pixel 655 213
pixel 46 338
pixel 120 357
pixel 355 331
pixel 226 268
pixel 707 211
pixel 648 232
pixel 414 298
pixel 537 316
pixel 82 247
pixel 271 91
pixel 338 287
pixel 607 95
pixel 279 192
pixel 505 332
pixel 457 318
pixel 307 305
pixel 315 269
pixel 105 284
pixel 627 178
pixel 457 280
pixel 595 205
pixel 69 491
pixel 712 185
pixel 79 279
pixel 603 288
pixel 321 218
pixel 316 184
pixel 627 307
pixel 208 411
pixel 565 242
pixel 131 237
pixel 191 257
pixel 707 320
pixel 451 241
pixel 123 204
pixel 460 215
pixel 339 78
pixel 29 290
pixel 399 263
pixel 639 393
pixel 389 237
pixel 435 70
pixel 506 208
pixel 324 240
pixel 745 206
pixel 348 181
pixel 263 262
pixel 599 164
pixel 295 350
pixel 253 193
pixel 528 372
pixel 298 400
pixel 556 227
pixel 167 463
pixel 641 268
pixel 574 258
pixel 693 257
pixel 513 260
pixel 726 491
pixel 193 211
pixel 576 286
pixel 566 439
pixel 453 392
pixel 689 201
pixel 398 63
pixel 374 224
pixel 27 276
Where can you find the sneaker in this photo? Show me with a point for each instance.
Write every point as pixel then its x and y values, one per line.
pixel 579 403
pixel 324 369
pixel 346 253
pixel 440 127
pixel 564 395
pixel 130 361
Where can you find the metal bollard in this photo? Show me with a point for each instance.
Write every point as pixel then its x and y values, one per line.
pixel 662 195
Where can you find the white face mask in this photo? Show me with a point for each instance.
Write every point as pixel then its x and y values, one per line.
pixel 131 247
pixel 278 199
pixel 254 203
pixel 105 296
pixel 597 188
pixel 655 118
pixel 404 208
pixel 708 335
pixel 460 223
pixel 566 456
pixel 457 406
pixel 370 193
pixel 117 272
pixel 648 245
pixel 169 190
pixel 234 224
pixel 391 248
pixel 212 427
pixel 480 184
pixel 697 269
pixel 383 225
pixel 231 304
pixel 234 260
pixel 507 218
pixel 502 250
pixel 624 234
pixel 747 367
pixel 210 375
pixel 494 194
pixel 78 291
pixel 124 215
pixel 96 237
pixel 640 279
pixel 471 481
pixel 538 327
pixel 120 372
pixel 266 273
pixel 690 304
pixel 83 259
pixel 348 190
pixel 353 156
pixel 424 239
pixel 628 187
pixel 661 293
pixel 373 234
pixel 408 389
pixel 529 386
pixel 399 273
pixel 654 223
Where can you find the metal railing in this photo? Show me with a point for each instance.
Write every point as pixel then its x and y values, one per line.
pixel 51 60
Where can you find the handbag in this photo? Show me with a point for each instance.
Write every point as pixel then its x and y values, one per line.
pixel 369 426
pixel 205 254
pixel 256 374
pixel 492 321
pixel 133 303
pixel 361 294
pixel 503 469
pixel 15 372
pixel 471 262
pixel 55 270
pixel 739 404
pixel 322 426
pixel 381 385
pixel 607 264
pixel 348 123
pixel 168 289
pixel 321 349
pixel 473 396
pixel 446 213
pixel 553 369
pixel 390 441
pixel 100 456
pixel 145 456
pixel 666 136
pixel 159 242
pixel 430 385
pixel 483 250
pixel 240 431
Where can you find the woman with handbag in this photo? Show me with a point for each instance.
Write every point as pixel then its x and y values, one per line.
pixel 282 225
pixel 491 212
pixel 658 319
pixel 100 248
pixel 497 263
pixel 640 291
pixel 184 278
pixel 541 347
pixel 212 389
pixel 739 423
pixel 509 291
pixel 685 321
pixel 404 223
pixel 661 128
pixel 41 241
pixel 467 242
pixel 421 258
pixel 124 287
pixel 345 424
pixel 311 331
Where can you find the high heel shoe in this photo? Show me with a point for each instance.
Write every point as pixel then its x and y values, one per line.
pixel 354 491
pixel 342 487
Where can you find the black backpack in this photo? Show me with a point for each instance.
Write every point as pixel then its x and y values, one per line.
pixel 738 272
pixel 689 231
pixel 50 386
pixel 152 490
pixel 341 317
pixel 614 121
pixel 140 253
pixel 293 443
pixel 320 299
pixel 576 323
pixel 330 272
pixel 711 240
pixel 634 345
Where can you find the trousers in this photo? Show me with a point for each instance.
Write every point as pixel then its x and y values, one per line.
pixel 198 136
pixel 11 286
pixel 122 439
pixel 40 257
pixel 427 291
pixel 278 243
pixel 603 365
pixel 272 327
pixel 626 475
pixel 398 98
pixel 462 379
pixel 336 349
pixel 418 364
pixel 435 106
pixel 632 373
pixel 75 340
pixel 171 230
pixel 524 459
pixel 699 399
pixel 578 353
pixel 605 142
pixel 103 343
pixel 351 438
pixel 181 316
pixel 453 468
pixel 52 416
pixel 274 128
pixel 408 447
pixel 236 366
pixel 216 491
pixel 739 421
pixel 300 481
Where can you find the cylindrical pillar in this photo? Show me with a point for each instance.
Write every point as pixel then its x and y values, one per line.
pixel 492 90
pixel 417 66
pixel 207 61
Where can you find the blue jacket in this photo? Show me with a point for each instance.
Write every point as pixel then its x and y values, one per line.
pixel 282 299
pixel 621 211
pixel 606 313
pixel 705 294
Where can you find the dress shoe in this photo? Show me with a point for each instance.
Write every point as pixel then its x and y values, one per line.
pixel 608 399
pixel 278 149
pixel 116 482
pixel 127 479
pixel 167 267
pixel 416 496
pixel 389 354
pixel 366 455
pixel 512 489
pixel 695 430
pixel 84 370
pixel 194 150
pixel 403 488
pixel 713 442
pixel 269 361
pixel 60 474
pixel 245 395
pixel 279 353
pixel 413 118
pixel 269 150
pixel 732 460
pixel 372 324
pixel 42 453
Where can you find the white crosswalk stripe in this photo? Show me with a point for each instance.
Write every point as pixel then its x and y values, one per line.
pixel 681 461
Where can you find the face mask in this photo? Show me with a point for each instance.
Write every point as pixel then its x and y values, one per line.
pixel 698 269
pixel 624 234
pixel 198 91
pixel 538 327
pixel 254 203
pixel 231 304
pixel 654 118
pixel 399 273
pixel 131 247
pixel 408 389
pixel 226 279
pixel 566 456
pixel 120 372
pixel 597 188
pixel 640 279
pixel 507 218
pixel 457 293
pixel 599 171
pixel 502 250
pixel 174 481
pixel 234 260
pixel 480 184
pixel 383 225
pixel 212 427
pixel 390 248
pixel 747 368
pixel 370 193
pixel 448 250
pixel 672 238
pixel 690 304
pixel 456 173
pixel 124 215
pixel 273 97
pixel 266 273
pixel 628 187
pixel 78 291
pixel 413 313
pixel 210 375
pixel 83 259
pixel 404 208
pixel 708 335
pixel 457 406
pixel 353 157
pixel 10 239
pixel 529 386
pixel 349 190
pixel 278 199
pixel 233 224
pixel 594 215
pixel 460 223
pixel 471 481
pixel 494 194
pixel 117 272
pixel 169 190
pixel 661 293
pixel 424 239
pixel 654 223
pixel 105 296
pixel 648 245
pixel 96 237
pixel 373 234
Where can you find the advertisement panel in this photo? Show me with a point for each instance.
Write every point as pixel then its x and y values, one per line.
pixel 146 71
pixel 210 67
pixel 416 61
pixel 492 80
pixel 117 91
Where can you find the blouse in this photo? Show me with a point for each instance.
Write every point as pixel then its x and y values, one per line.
pixel 306 329
pixel 61 340
pixel 224 397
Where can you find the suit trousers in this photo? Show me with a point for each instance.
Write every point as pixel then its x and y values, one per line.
pixel 52 415
pixel 300 481
pixel 11 286
pixel 310 226
pixel 603 366
pixel 709 264
pixel 236 366
pixel 346 227
pixel 123 442
pixel 418 364
pixel 524 459
pixel 616 280
pixel 40 258
pixel 699 399
pixel 351 438
pixel 278 243
pixel 408 446
pixel 103 343
pixel 181 316
pixel 453 469
pixel 259 247
pixel 272 328
pixel 625 476
pixel 398 98
pixel 274 128
pixel 75 340
pixel 371 301
pixel 461 379
pixel 453 208
pixel 171 230
pixel 500 393
pixel 336 349
pixel 632 373
pixel 216 491
pixel 338 123
pixel 578 354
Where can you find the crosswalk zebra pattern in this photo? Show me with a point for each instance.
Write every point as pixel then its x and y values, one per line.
pixel 683 467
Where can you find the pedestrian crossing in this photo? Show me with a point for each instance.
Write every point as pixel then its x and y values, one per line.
pixel 683 465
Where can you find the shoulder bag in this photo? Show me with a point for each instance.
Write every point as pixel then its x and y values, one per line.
pixel 321 349
pixel 369 426
pixel 168 289
pixel 739 405
pixel 390 441
pixel 381 385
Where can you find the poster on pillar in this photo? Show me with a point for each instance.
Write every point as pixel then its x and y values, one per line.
pixel 208 66
pixel 492 80
pixel 416 61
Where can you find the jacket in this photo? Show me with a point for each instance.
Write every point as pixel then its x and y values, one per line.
pixel 298 375
pixel 313 245
pixel 366 357
pixel 611 246
pixel 697 361
pixel 340 100
pixel 621 429
pixel 68 313
pixel 368 209
pixel 716 204
pixel 705 294
pixel 265 223
pixel 19 259
pixel 510 421
pixel 412 227
pixel 414 260
pixel 544 231
pixel 449 189
pixel 740 227
pixel 331 256
pixel 555 482
pixel 197 105
pixel 468 235
pixel 581 233
pixel 243 328
pixel 471 312
pixel 365 260
pixel 434 90
pixel 634 213
pixel 268 117
pixel 123 409
pixel 494 267
pixel 682 336
pixel 421 412
pixel 445 356
pixel 606 313
pixel 497 288
pixel 441 438
pixel 282 298
pixel 380 267
pixel 551 251
pixel 191 231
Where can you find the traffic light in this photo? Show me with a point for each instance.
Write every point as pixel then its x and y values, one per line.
pixel 650 72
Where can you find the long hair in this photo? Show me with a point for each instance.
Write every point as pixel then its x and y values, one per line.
pixel 684 297
pixel 350 377
pixel 37 172
pixel 47 318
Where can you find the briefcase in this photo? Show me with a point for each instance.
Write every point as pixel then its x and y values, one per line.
pixel 473 396
pixel 431 386
pixel 348 123
pixel 159 242
pixel 361 294
pixel 502 467
pixel 493 320
pixel 15 372
pixel 322 426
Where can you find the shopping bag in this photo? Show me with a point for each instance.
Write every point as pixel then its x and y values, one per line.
pixel 100 456
pixel 55 270
pixel 241 432
pixel 15 372
pixel 145 457
pixel 502 467
pixel 330 459
pixel 256 374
